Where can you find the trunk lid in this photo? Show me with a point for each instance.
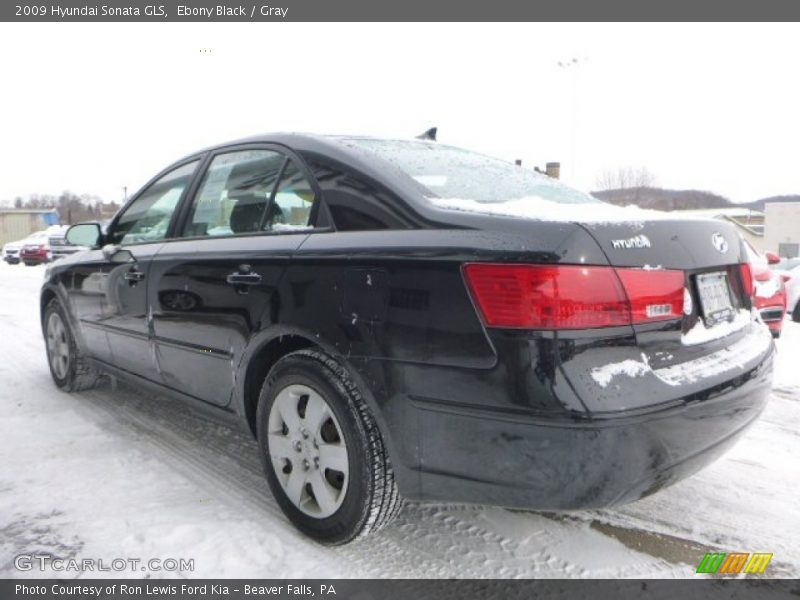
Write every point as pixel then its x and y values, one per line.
pixel 686 244
pixel 709 252
pixel 681 358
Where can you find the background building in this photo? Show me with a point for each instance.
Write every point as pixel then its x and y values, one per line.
pixel 782 228
pixel 16 224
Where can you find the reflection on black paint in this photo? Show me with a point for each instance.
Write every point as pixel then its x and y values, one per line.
pixel 179 300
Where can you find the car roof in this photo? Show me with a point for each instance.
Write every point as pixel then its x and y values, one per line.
pixel 333 146
pixel 337 148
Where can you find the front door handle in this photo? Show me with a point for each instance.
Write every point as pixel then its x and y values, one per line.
pixel 133 275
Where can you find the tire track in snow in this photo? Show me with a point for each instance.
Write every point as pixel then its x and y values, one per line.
pixel 224 461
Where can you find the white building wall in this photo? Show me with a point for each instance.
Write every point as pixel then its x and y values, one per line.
pixel 782 227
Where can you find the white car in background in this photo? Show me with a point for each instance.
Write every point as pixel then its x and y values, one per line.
pixel 11 250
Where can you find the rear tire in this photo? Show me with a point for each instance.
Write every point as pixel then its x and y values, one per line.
pixel 796 313
pixel 322 451
pixel 67 365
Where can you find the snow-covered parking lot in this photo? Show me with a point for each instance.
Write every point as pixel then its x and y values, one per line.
pixel 112 473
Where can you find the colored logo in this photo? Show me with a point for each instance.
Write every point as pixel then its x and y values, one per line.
pixel 722 563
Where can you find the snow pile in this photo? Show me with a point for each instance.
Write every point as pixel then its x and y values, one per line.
pixel 290 227
pixel 700 334
pixel 632 368
pixel 768 288
pixel 541 209
pixel 732 358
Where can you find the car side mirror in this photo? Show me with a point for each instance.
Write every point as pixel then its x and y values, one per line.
pixel 118 256
pixel 84 234
pixel 772 258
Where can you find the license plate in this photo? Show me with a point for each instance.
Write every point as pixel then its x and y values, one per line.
pixel 715 296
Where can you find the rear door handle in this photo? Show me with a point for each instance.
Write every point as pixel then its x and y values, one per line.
pixel 244 279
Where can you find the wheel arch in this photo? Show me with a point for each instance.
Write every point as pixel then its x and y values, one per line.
pixel 265 351
pixel 47 295
pixel 268 348
pixel 257 365
pixel 53 289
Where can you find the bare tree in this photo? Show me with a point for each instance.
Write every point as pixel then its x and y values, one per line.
pixel 624 178
pixel 71 208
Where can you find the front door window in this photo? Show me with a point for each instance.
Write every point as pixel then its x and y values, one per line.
pixel 148 218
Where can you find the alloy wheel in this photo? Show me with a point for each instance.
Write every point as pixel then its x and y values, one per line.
pixel 58 345
pixel 308 451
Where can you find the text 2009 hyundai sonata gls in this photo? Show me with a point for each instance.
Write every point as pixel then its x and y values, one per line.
pixel 402 319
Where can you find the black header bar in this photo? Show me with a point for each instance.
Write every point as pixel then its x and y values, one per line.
pixel 405 10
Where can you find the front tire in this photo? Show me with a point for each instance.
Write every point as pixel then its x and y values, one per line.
pixel 322 451
pixel 67 365
pixel 796 313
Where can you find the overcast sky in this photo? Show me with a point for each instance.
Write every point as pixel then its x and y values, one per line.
pixel 94 107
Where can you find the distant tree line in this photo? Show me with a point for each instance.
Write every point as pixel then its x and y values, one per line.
pixel 661 199
pixel 638 186
pixel 71 208
pixel 625 178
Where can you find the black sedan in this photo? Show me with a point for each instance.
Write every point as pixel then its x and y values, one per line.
pixel 403 319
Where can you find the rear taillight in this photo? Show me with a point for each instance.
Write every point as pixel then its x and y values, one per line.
pixel 747 279
pixel 573 296
pixel 654 295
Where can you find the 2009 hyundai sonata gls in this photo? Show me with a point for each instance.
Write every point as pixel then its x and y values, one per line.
pixel 403 319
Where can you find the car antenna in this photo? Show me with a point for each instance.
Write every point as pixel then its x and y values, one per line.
pixel 428 135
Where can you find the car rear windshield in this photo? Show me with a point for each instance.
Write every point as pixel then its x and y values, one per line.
pixel 447 172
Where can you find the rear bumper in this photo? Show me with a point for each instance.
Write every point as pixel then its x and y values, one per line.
pixel 561 465
pixel 494 437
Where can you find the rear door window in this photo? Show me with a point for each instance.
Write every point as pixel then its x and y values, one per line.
pixel 235 192
pixel 250 191
pixel 294 198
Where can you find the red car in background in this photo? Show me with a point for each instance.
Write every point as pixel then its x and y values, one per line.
pixel 35 253
pixel 769 289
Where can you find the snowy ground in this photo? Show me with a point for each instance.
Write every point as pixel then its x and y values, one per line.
pixel 117 474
